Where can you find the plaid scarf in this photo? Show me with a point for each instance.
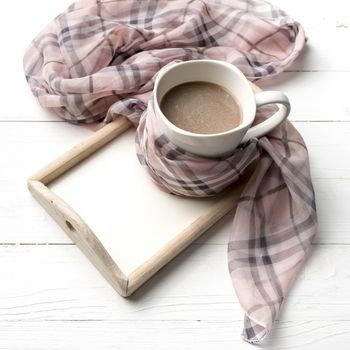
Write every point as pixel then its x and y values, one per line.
pixel 98 60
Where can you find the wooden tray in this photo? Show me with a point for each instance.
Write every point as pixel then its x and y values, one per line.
pixel 122 222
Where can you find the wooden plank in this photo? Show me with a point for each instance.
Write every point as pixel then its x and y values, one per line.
pixel 23 142
pixel 57 283
pixel 27 146
pixel 174 335
pixel 37 227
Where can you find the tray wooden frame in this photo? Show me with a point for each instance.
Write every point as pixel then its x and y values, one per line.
pixel 80 233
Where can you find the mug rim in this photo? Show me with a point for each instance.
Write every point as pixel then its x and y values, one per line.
pixel 175 128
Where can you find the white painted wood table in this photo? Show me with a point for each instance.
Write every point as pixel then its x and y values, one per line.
pixel 51 297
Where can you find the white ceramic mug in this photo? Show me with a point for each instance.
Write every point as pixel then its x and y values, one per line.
pixel 232 79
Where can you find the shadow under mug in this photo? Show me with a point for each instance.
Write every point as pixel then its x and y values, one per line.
pixel 232 79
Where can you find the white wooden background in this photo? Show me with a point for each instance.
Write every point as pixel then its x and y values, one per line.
pixel 52 298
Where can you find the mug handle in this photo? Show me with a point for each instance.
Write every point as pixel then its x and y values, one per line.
pixel 265 98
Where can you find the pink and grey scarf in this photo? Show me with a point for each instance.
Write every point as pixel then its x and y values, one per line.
pixel 98 59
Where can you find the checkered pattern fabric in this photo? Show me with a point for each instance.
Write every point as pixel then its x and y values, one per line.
pixel 97 60
pixel 275 220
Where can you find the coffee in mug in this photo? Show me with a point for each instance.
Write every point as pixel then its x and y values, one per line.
pixel 201 107
pixel 173 81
